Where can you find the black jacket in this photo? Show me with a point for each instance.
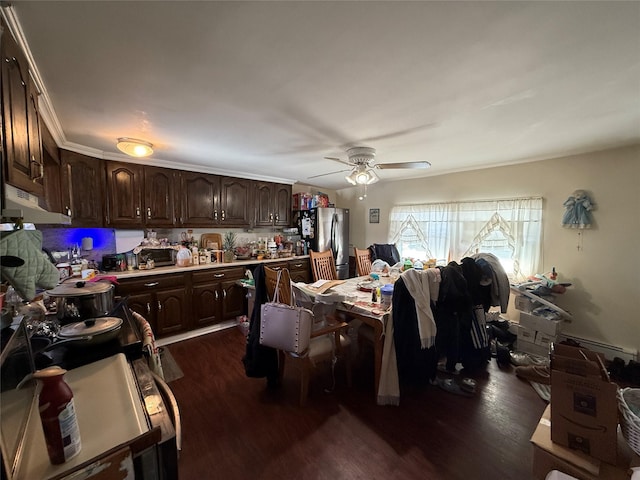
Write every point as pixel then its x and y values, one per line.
pixel 259 361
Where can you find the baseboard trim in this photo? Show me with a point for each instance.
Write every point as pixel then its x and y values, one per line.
pixel 609 351
pixel 195 333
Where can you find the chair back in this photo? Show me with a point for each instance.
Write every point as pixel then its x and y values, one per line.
pixel 271 280
pixel 323 265
pixel 363 262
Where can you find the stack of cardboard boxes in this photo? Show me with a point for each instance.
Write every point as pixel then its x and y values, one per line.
pixel 578 433
pixel 535 332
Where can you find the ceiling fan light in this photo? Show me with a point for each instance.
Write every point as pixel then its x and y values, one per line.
pixel 351 178
pixel 134 148
pixel 363 178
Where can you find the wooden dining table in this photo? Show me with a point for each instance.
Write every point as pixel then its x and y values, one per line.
pixel 354 300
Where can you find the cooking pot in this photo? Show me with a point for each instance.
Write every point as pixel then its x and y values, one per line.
pixel 81 300
pixel 89 332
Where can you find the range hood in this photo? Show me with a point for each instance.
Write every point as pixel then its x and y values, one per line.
pixel 20 204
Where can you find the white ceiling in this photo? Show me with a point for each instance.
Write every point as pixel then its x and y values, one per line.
pixel 267 89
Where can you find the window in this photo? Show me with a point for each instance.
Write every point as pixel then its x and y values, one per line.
pixel 510 229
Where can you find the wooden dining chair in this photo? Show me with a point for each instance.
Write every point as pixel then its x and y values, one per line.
pixel 323 266
pixel 363 261
pixel 327 338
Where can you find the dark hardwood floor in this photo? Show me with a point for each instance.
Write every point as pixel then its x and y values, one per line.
pixel 235 428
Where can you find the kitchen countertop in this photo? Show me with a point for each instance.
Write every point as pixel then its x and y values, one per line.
pixel 195 268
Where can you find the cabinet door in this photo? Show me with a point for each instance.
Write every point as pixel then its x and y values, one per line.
pixel 199 192
pixel 82 189
pixel 235 199
pixel 206 303
pixel 35 140
pixel 233 296
pixel 124 195
pixel 52 172
pixel 16 99
pixel 263 204
pixel 171 311
pixel 282 205
pixel 142 303
pixel 159 197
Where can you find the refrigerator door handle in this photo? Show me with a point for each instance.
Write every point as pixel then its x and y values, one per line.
pixel 333 234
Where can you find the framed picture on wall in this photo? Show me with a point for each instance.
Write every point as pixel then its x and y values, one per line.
pixel 374 215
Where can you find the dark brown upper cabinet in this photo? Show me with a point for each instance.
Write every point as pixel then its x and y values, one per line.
pixel 212 200
pixel 272 205
pixel 235 202
pixel 198 192
pixel 140 196
pixel 20 120
pixel 83 185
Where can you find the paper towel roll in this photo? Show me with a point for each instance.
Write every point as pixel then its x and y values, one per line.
pixel 87 243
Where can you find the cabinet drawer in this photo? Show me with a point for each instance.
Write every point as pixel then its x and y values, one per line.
pixel 301 264
pixel 154 282
pixel 232 273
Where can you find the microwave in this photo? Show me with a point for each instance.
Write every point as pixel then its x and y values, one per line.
pixel 162 257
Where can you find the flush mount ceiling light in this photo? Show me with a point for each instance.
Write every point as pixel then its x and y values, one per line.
pixel 134 148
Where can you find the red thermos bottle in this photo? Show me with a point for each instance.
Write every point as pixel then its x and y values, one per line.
pixel 58 415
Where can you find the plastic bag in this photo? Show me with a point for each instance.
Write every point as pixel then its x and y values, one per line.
pixel 379 266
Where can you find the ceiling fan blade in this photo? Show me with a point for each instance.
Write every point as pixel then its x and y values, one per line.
pixel 330 173
pixel 338 160
pixel 382 166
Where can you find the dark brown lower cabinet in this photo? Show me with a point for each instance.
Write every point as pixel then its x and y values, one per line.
pixel 161 299
pixel 178 302
pixel 216 295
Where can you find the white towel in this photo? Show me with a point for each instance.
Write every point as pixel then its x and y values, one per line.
pixel 389 386
pixel 418 286
pixel 149 344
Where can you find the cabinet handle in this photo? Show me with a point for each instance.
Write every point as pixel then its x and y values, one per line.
pixel 217 296
pixel 138 212
pixel 215 214
pixel 277 217
pixel 151 284
pixel 68 210
pixel 297 265
pixel 149 213
pixel 148 308
pixel 41 174
pixel 159 306
pixel 223 215
pixel 218 275
pixel 271 217
pixel 224 293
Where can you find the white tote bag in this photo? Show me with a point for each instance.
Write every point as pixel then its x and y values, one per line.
pixel 285 327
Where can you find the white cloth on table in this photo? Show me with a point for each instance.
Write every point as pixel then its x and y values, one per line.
pixel 149 344
pixel 418 283
pixel 389 386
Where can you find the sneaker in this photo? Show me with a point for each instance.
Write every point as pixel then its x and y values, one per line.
pixel 535 373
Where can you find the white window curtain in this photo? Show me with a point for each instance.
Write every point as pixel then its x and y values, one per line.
pixel 511 229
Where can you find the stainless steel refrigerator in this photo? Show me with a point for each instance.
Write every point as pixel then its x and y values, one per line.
pixel 327 227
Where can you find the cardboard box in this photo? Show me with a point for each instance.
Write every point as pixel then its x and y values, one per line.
pixel 526 334
pixel 545 340
pixel 540 324
pixel 525 304
pixel 584 413
pixel 548 456
pixel 532 348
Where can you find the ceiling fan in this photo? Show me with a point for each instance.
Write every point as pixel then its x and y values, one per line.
pixel 362 166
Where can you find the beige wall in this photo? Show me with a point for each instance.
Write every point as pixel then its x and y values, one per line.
pixel 603 263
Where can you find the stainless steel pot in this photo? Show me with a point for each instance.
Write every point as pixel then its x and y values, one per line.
pixel 81 300
pixel 88 333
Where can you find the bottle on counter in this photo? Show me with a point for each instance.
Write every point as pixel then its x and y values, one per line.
pixel 58 415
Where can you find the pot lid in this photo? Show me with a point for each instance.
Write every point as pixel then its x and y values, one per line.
pixel 74 289
pixel 91 326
